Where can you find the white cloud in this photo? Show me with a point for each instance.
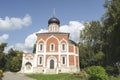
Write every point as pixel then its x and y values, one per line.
pixel 73 28
pixel 3 38
pixel 14 23
pixel 27 46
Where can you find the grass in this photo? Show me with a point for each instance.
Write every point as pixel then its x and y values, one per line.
pixel 53 76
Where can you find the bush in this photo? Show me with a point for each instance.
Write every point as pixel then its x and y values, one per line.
pixel 97 73
pixel 1 73
pixel 113 70
pixel 113 78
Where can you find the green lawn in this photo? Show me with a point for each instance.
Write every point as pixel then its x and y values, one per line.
pixel 53 76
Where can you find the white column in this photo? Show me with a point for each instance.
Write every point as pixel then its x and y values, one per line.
pixel 44 55
pixel 59 54
pixel 74 60
pixel 36 48
pixel 67 55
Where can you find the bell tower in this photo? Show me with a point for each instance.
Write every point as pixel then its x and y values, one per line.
pixel 53 23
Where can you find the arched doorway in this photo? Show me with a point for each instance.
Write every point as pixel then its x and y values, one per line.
pixel 51 64
pixel 28 66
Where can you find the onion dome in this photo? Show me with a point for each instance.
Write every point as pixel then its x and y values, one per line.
pixel 53 20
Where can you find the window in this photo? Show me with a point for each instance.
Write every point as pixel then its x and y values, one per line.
pixel 40 60
pixel 41 47
pixel 52 47
pixel 63 60
pixel 63 47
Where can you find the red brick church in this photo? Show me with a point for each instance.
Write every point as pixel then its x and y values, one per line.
pixel 55 52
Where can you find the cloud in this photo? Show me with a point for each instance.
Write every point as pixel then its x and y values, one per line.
pixel 73 28
pixel 14 23
pixel 28 44
pixel 3 38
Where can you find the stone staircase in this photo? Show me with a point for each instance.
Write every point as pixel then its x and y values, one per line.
pixel 51 71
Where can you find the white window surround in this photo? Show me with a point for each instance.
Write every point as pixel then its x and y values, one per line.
pixel 63 47
pixel 52 47
pixel 40 60
pixel 40 47
pixel 63 62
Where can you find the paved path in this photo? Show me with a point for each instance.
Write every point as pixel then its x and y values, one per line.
pixel 15 76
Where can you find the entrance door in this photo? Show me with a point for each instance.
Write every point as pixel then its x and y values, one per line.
pixel 52 64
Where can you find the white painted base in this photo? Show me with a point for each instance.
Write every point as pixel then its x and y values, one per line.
pixel 53 71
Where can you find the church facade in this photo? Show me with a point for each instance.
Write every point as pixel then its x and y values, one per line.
pixel 55 52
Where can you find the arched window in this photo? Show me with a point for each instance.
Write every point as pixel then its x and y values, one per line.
pixel 52 47
pixel 40 60
pixel 63 60
pixel 63 46
pixel 40 47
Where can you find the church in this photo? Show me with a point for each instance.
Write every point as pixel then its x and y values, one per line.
pixel 55 52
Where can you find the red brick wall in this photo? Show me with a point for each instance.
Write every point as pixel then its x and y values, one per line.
pixel 71 48
pixel 71 60
pixel 76 50
pixel 54 41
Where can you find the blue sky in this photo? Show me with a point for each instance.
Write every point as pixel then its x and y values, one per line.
pixel 33 15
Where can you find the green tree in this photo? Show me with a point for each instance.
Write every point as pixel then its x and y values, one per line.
pixel 14 60
pixel 2 55
pixel 99 57
pixel 111 21
pixel 90 42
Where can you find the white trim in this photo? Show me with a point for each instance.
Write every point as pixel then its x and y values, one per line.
pixel 65 47
pixel 39 60
pixel 39 47
pixel 52 45
pixel 53 37
pixel 40 40
pixel 74 60
pixel 44 64
pixel 52 58
pixel 63 56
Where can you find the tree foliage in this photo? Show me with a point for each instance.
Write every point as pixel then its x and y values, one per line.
pixel 91 42
pixel 2 55
pixel 100 41
pixel 97 73
pixel 14 60
pixel 111 21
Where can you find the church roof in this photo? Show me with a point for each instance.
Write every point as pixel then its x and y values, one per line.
pixel 53 20
pixel 72 42
pixel 49 33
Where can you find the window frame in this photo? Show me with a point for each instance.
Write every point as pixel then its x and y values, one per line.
pixel 52 47
pixel 40 47
pixel 40 60
pixel 63 60
pixel 63 48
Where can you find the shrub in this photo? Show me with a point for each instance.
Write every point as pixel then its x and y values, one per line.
pixel 113 78
pixel 97 73
pixel 1 73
